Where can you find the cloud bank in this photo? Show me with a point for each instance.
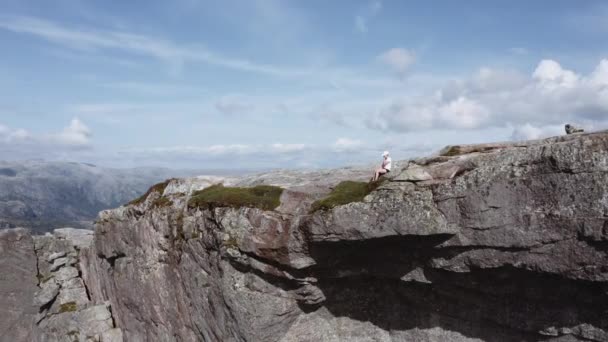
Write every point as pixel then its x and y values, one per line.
pixel 551 95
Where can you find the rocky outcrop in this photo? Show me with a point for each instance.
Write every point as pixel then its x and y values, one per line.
pixel 492 242
pixel 43 293
pixel 66 312
pixel 495 242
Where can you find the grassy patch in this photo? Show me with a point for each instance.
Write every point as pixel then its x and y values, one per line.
pixel 452 151
pixel 68 307
pixel 344 193
pixel 160 188
pixel 162 202
pixel 265 197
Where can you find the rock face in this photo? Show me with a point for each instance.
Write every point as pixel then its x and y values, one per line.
pixel 496 242
pixel 493 242
pixel 17 285
pixel 42 294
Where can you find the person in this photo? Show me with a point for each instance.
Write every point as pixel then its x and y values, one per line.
pixel 570 129
pixel 384 168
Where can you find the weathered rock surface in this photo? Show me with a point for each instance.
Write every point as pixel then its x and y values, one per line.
pixel 65 311
pixel 17 285
pixel 494 242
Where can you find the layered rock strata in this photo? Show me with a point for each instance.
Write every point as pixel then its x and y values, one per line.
pixel 44 297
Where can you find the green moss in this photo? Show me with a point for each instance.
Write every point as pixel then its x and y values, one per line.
pixel 452 151
pixel 160 188
pixel 162 202
pixel 264 197
pixel 43 279
pixel 180 236
pixel 231 242
pixel 68 307
pixel 344 193
pixel 195 234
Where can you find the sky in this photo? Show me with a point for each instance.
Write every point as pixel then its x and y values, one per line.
pixel 294 83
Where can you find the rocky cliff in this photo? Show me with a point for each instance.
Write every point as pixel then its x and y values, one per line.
pixel 493 242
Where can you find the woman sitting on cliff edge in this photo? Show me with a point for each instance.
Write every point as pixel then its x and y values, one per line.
pixel 384 168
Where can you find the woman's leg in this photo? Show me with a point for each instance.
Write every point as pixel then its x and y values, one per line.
pixel 378 173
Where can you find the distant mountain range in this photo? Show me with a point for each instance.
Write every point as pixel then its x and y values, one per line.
pixel 46 195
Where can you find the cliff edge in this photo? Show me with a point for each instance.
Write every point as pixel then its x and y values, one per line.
pixel 491 242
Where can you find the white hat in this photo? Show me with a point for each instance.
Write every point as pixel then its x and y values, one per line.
pixel 385 153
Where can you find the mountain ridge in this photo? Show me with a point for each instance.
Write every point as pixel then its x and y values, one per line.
pixel 45 195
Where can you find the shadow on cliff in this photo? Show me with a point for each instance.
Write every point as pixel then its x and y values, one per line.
pixel 362 281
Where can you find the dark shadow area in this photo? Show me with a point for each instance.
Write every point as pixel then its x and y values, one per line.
pixel 361 281
pixel 381 257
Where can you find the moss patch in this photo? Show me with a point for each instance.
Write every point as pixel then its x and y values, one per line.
pixel 160 188
pixel 344 193
pixel 265 197
pixel 231 242
pixel 456 150
pixel 452 151
pixel 162 202
pixel 195 234
pixel 68 307
pixel 43 279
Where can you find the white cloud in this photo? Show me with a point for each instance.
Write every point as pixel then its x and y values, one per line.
pixel 164 50
pixel 551 75
pixel 213 150
pixel 17 135
pixel 91 42
pixel 288 148
pixel 599 77
pixel 76 134
pixel 463 113
pixel 403 116
pixel 530 132
pixel 347 144
pixel 398 58
pixel 549 96
pixel 19 143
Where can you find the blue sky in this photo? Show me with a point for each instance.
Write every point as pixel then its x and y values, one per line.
pixel 269 83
